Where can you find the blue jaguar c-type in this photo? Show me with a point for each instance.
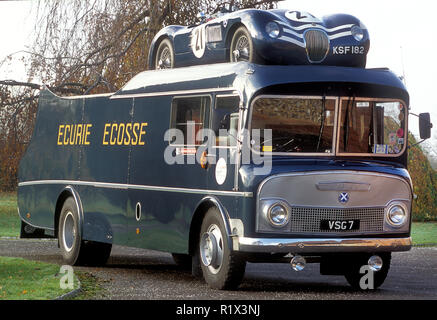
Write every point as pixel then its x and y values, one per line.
pixel 275 36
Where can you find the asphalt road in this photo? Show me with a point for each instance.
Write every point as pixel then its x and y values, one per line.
pixel 137 274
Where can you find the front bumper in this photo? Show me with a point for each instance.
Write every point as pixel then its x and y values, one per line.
pixel 317 246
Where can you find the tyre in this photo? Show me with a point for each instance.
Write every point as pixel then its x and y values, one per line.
pixel 164 57
pixel 361 279
pixel 74 250
pixel 242 48
pixel 221 268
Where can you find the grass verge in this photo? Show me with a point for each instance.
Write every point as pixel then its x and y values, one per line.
pixel 424 233
pixel 22 279
pixel 9 220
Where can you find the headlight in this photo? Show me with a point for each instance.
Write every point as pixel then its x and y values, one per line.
pixel 397 215
pixel 357 33
pixel 278 214
pixel 272 29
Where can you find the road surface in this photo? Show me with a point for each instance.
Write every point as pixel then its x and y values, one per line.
pixel 137 274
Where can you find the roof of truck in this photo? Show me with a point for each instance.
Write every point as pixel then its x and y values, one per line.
pixel 247 76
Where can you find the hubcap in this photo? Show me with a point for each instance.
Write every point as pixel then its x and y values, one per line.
pixel 164 61
pixel 242 49
pixel 69 232
pixel 211 248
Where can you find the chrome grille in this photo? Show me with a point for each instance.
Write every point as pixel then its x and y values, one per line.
pixel 307 219
pixel 317 45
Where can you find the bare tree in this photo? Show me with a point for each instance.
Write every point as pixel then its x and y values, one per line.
pixel 83 47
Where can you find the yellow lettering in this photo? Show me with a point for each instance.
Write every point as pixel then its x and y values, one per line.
pixel 72 132
pixel 65 134
pixel 127 138
pixel 60 133
pixel 113 142
pixel 87 133
pixel 142 133
pixel 137 126
pixel 120 130
pixel 105 133
pixel 78 134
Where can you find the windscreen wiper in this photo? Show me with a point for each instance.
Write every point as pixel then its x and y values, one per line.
pixel 346 123
pixel 322 125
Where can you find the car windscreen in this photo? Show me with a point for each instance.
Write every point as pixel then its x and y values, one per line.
pixel 294 124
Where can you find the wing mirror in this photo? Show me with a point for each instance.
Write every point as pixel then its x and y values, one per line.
pixel 425 126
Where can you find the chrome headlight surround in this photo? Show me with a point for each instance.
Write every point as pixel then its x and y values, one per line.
pixel 273 29
pixel 397 215
pixel 275 214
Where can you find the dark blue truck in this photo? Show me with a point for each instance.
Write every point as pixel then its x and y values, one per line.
pixel 325 179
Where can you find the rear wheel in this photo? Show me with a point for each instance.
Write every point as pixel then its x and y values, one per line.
pixel 74 250
pixel 164 58
pixel 242 48
pixel 221 268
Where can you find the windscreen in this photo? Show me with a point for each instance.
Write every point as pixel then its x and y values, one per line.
pixel 371 126
pixel 301 125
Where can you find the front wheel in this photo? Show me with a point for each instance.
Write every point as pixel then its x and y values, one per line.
pixel 242 48
pixel 221 268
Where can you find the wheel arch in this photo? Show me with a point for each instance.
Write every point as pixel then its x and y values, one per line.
pixel 155 47
pixel 230 35
pixel 67 192
pixel 203 206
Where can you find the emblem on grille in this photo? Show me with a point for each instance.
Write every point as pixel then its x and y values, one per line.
pixel 343 197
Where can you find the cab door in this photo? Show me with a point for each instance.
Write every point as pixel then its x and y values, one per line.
pixel 223 153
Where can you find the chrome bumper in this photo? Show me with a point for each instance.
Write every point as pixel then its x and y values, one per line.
pixel 266 245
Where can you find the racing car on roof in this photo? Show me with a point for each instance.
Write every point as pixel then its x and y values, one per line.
pixel 276 36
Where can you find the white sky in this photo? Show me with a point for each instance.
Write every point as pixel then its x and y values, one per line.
pixel 403 37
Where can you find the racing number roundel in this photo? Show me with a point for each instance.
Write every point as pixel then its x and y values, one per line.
pixel 301 16
pixel 198 41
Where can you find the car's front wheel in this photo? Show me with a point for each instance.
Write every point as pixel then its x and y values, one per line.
pixel 164 58
pixel 242 48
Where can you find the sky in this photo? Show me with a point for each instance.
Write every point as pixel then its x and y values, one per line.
pixel 403 37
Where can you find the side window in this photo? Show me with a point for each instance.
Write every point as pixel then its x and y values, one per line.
pixel 188 114
pixel 225 120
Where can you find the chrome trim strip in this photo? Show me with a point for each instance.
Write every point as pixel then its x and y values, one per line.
pixel 332 245
pixel 169 93
pixel 88 96
pixel 138 187
pixel 342 186
pixel 79 207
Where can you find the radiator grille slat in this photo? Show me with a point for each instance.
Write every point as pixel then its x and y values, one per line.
pixel 307 219
pixel 317 45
